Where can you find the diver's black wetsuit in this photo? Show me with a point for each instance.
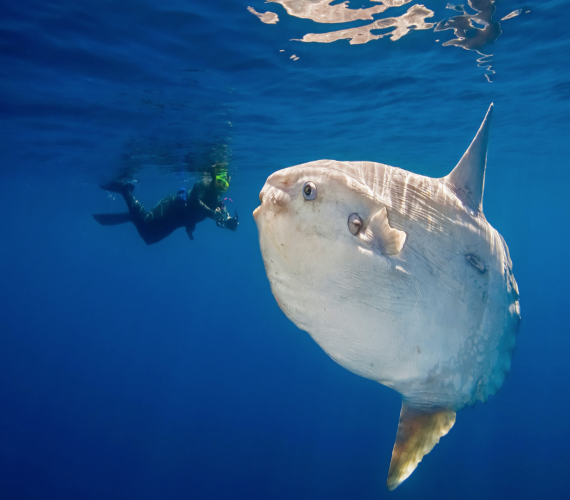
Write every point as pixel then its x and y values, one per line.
pixel 173 212
pixel 170 213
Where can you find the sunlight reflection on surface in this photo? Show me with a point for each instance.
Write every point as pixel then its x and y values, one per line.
pixel 515 13
pixel 321 11
pixel 415 16
pixel 266 17
pixel 472 31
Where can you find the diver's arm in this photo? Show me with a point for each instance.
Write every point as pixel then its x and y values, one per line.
pixel 198 192
pixel 209 212
pixel 219 215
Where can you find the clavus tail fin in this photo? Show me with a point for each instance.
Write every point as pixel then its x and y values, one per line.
pixel 418 432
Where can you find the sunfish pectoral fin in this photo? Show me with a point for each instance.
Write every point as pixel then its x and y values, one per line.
pixel 418 432
pixel 467 179
pixel 383 237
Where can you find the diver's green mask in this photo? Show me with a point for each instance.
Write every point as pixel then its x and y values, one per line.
pixel 222 182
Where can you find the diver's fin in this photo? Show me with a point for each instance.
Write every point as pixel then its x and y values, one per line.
pixel 467 179
pixel 112 219
pixel 418 432
pixel 383 237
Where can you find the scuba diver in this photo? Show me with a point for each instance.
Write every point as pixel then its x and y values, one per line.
pixel 176 210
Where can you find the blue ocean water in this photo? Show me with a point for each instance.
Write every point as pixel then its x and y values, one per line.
pixel 169 371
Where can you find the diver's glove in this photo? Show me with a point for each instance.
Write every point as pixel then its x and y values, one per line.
pixel 220 217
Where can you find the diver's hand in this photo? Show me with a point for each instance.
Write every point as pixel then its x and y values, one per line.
pixel 219 217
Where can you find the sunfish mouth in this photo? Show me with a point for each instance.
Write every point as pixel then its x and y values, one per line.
pixel 272 198
pixel 258 209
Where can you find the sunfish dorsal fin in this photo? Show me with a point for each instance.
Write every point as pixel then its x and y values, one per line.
pixel 418 432
pixel 467 179
pixel 383 237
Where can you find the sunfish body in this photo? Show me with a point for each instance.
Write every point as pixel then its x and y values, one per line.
pixel 400 279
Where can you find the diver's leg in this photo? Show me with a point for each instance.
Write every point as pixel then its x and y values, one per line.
pixel 136 208
pixel 139 216
pixel 154 225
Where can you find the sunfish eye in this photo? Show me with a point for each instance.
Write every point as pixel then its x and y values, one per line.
pixel 309 190
pixel 354 224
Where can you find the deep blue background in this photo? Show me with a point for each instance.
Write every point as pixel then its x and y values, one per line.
pixel 169 371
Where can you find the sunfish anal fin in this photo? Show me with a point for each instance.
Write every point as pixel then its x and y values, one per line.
pixel 418 432
pixel 383 237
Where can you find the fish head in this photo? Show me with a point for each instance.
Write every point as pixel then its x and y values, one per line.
pixel 302 224
pixel 305 208
pixel 303 217
pixel 318 228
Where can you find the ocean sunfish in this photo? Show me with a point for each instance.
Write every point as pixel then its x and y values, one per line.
pixel 400 279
